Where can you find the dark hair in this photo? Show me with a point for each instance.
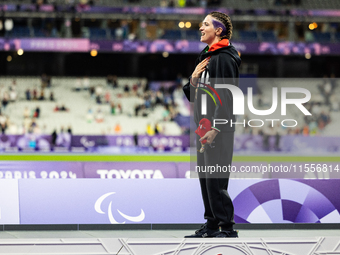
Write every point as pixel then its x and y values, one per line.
pixel 225 19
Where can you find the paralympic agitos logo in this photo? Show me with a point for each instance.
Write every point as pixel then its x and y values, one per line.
pixel 239 104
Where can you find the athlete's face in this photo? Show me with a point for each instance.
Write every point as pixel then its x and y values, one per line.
pixel 208 32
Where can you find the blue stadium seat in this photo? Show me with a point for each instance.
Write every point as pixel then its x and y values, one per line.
pixel 38 32
pixel 249 36
pixel 193 35
pixel 97 33
pixel 112 33
pixel 172 35
pixel 337 37
pixel 322 37
pixel 268 36
pixel 21 32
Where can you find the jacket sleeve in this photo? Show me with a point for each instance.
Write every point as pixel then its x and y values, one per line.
pixel 189 91
pixel 224 71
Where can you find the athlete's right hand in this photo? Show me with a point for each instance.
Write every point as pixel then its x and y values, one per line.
pixel 199 70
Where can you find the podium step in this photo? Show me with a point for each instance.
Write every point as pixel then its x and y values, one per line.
pixel 173 246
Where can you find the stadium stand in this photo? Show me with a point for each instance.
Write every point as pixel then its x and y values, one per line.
pixel 245 31
pixel 268 36
pixel 172 35
pixel 327 30
pixel 322 37
pixel 239 4
pixel 93 114
pixel 248 36
pixel 192 35
pixel 21 32
pixel 98 33
pixel 307 4
pixel 323 110
pixel 78 101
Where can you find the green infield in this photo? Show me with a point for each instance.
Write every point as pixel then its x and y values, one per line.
pixel 158 158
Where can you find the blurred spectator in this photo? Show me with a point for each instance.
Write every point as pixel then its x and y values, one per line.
pixel 305 130
pixel 26 112
pixel 37 112
pixel 5 100
pixel 181 3
pixel 86 83
pixel 54 137
pixel 99 93
pixel 159 98
pixel 266 133
pixel 32 126
pixel 118 128
pixel 109 80
pixel 35 94
pixel 69 129
pixel 13 86
pixel 203 3
pixel 126 90
pixel 157 129
pixel 114 82
pixel 78 85
pixel 99 116
pixel 313 128
pixel 135 138
pixel 42 95
pixel 150 130
pixel 134 89
pixel 164 3
pixel 27 123
pixel 107 97
pixel 3 123
pixel 179 79
pixel 64 138
pixel 45 81
pixel 112 108
pixel 166 113
pixel 89 115
pixel 119 108
pixel 277 130
pixel 12 95
pixel 28 94
pixel 92 90
pixel 62 108
pixel 98 99
pixel 137 109
pixel 51 96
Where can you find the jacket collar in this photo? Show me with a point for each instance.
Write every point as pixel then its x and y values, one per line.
pixel 218 45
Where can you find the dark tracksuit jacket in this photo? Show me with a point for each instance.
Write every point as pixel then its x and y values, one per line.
pixel 222 69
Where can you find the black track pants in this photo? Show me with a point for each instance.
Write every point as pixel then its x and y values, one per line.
pixel 219 209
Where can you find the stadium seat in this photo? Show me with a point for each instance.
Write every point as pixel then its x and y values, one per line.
pixel 249 36
pixel 337 37
pixel 322 37
pixel 38 32
pixel 21 32
pixel 78 104
pixel 192 35
pixel 112 33
pixel 268 36
pixel 172 35
pixel 97 33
